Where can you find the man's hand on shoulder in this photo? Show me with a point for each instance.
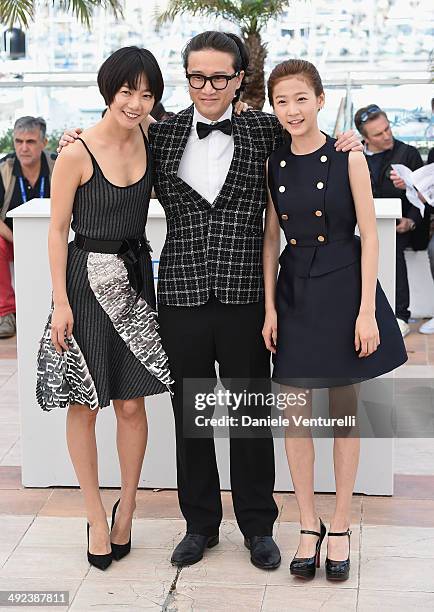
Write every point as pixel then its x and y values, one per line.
pixel 348 141
pixel 67 137
pixel 241 107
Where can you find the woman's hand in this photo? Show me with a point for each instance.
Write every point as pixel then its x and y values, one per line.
pixel 367 336
pixel 241 107
pixel 67 137
pixel 348 141
pixel 269 331
pixel 62 322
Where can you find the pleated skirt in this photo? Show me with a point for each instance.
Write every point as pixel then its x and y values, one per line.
pixel 315 331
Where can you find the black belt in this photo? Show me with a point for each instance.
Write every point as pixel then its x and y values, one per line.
pixel 128 250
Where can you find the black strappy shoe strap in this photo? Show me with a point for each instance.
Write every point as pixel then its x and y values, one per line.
pixel 310 532
pixel 340 533
pixel 319 533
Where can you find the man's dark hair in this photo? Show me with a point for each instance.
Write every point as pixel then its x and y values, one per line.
pixel 128 65
pixel 220 41
pixel 360 123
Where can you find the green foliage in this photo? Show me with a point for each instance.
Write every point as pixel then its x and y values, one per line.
pixel 7 142
pixel 53 140
pixel 21 12
pixel 13 12
pixel 249 15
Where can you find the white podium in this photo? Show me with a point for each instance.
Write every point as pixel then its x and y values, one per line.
pixel 45 459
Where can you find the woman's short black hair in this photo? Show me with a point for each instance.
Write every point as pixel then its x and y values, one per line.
pixel 128 65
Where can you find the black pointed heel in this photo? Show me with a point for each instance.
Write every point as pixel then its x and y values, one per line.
pixel 99 561
pixel 305 567
pixel 119 551
pixel 339 570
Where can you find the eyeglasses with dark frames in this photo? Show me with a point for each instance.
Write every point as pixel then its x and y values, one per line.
pixel 218 81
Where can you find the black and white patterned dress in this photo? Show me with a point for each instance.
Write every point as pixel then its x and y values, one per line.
pixel 115 352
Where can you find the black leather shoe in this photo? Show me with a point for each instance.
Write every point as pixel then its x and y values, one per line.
pixel 191 548
pixel 305 567
pixel 119 551
pixel 100 561
pixel 338 570
pixel 264 552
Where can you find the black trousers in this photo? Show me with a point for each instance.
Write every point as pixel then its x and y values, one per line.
pixel 195 338
pixel 402 295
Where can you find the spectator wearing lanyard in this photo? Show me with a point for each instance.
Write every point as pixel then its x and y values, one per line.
pixel 24 175
pixel 382 150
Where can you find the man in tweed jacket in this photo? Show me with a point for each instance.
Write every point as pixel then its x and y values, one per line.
pixel 209 175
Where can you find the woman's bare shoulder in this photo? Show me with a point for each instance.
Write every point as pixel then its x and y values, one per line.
pixel 74 152
pixel 356 159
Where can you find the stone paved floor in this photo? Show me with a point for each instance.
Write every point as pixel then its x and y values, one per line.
pixel 42 539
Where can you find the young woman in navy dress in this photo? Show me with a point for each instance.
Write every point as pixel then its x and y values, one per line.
pixel 328 322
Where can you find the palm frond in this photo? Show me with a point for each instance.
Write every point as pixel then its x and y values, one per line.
pixel 16 12
pixel 266 10
pixel 21 12
pixel 249 15
pixel 207 8
pixel 84 9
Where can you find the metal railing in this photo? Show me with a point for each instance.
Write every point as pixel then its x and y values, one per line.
pixel 346 90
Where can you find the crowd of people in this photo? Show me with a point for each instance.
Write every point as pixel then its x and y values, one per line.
pixel 323 316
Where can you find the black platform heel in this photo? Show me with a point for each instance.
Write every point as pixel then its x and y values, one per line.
pixel 119 551
pixel 100 561
pixel 339 570
pixel 306 567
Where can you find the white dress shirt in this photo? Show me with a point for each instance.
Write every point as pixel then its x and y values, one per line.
pixel 205 163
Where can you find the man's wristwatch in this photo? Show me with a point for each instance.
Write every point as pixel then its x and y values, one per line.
pixel 412 226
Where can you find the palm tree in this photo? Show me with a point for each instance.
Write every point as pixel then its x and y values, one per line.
pixel 21 12
pixel 251 16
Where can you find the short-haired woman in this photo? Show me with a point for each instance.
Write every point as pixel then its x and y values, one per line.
pixel 327 314
pixel 103 323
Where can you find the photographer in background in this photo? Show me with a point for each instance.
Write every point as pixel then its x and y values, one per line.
pixel 382 150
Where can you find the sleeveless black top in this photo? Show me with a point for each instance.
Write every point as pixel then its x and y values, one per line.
pixel 313 200
pixel 104 211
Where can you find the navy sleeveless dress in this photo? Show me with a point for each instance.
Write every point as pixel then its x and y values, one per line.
pixel 319 286
pixel 116 352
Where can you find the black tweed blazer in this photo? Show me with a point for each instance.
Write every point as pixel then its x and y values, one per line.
pixel 213 247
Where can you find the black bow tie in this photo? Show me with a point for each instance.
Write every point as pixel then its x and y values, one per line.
pixel 204 129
